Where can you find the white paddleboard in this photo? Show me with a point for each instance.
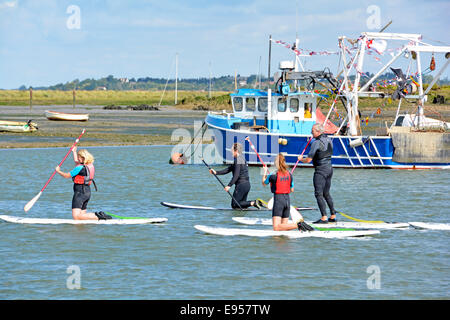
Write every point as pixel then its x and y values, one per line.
pixel 290 234
pixel 183 206
pixel 339 224
pixel 430 225
pixel 71 221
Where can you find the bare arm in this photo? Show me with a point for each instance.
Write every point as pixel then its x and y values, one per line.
pixel 75 155
pixel 304 160
pixel 63 174
pixel 264 176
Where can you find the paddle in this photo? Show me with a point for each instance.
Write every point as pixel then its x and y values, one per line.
pixel 301 154
pixel 254 149
pixel 222 184
pixel 33 201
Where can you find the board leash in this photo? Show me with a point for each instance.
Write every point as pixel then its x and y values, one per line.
pixel 360 220
pixel 122 217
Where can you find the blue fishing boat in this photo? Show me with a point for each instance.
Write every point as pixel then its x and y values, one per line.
pixel 280 118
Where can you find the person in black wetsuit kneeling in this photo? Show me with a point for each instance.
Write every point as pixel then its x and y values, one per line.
pixel 240 178
pixel 320 155
pixel 82 176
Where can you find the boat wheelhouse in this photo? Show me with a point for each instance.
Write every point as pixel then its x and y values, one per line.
pixel 281 121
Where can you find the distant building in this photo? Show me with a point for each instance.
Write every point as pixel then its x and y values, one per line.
pixel 242 82
pixel 124 80
pixel 100 88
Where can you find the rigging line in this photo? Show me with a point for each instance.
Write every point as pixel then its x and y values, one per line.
pixel 168 78
pixel 436 40
pixel 200 142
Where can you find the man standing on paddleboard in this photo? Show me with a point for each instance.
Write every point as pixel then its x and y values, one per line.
pixel 82 176
pixel 240 178
pixel 320 155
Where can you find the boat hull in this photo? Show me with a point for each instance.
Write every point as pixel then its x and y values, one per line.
pixel 60 116
pixel 17 127
pixel 348 152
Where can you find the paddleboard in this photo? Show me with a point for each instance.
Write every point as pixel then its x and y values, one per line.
pixel 182 206
pixel 430 225
pixel 339 224
pixel 290 234
pixel 71 221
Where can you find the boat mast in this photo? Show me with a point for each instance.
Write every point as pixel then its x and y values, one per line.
pixel 176 78
pixel 209 91
pixel 354 122
pixel 421 95
pixel 270 53
pixel 269 91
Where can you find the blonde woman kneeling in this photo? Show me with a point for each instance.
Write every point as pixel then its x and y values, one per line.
pixel 82 176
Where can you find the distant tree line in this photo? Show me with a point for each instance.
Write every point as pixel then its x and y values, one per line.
pixel 223 83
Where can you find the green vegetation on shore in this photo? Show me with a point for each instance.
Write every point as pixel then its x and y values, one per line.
pixel 105 97
pixel 188 100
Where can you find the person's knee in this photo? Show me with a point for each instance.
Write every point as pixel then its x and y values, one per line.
pixel 318 194
pixel 277 227
pixel 76 214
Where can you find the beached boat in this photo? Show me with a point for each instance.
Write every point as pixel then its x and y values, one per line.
pixel 61 116
pixel 280 119
pixel 17 126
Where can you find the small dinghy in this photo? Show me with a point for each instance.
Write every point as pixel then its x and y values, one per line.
pixel 61 116
pixel 17 126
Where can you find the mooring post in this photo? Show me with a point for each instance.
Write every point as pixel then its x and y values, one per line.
pixel 73 100
pixel 31 98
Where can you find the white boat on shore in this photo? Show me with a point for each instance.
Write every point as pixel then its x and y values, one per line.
pixel 16 126
pixel 61 116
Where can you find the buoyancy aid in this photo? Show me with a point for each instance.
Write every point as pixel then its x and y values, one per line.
pixel 283 183
pixel 86 179
pixel 325 151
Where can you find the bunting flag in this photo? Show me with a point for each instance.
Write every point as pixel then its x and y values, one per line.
pixel 300 51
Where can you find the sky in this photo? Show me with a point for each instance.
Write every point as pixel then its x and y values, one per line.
pixel 45 42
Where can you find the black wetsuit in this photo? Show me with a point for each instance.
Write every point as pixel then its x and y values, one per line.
pixel 320 153
pixel 281 201
pixel 81 193
pixel 240 178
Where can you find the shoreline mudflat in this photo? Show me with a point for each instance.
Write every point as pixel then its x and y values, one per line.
pixel 129 127
pixel 104 127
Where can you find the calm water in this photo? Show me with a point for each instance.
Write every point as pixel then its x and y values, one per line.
pixel 175 261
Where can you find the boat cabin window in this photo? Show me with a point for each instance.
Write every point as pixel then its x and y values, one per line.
pixel 262 104
pixel 281 105
pixel 238 103
pixel 308 110
pixel 399 121
pixel 250 104
pixel 293 105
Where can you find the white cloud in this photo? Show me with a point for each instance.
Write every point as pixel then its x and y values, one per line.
pixel 8 4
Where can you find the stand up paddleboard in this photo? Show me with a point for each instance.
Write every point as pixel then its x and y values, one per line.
pixel 22 220
pixel 339 224
pixel 182 206
pixel 290 234
pixel 430 225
